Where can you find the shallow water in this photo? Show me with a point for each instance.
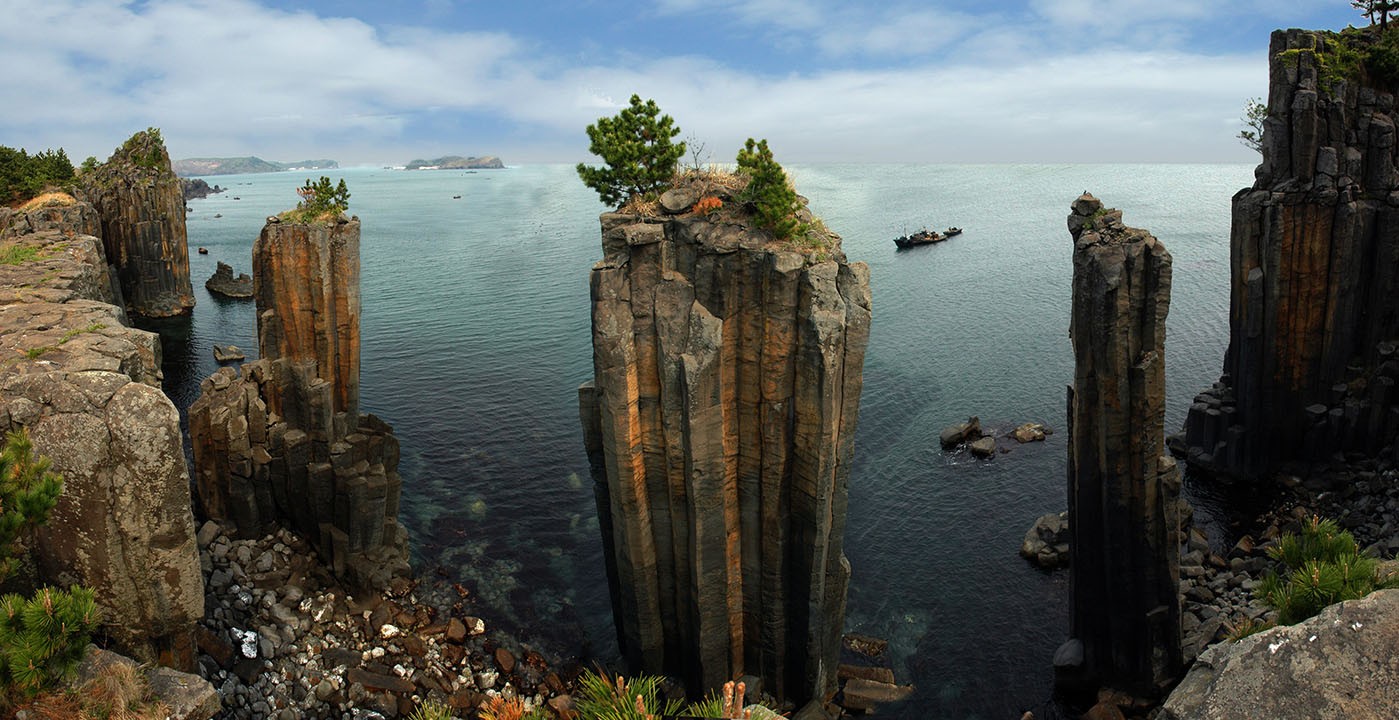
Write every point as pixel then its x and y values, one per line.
pixel 476 336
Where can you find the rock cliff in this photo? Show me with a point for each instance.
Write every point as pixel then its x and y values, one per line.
pixel 720 426
pixel 1339 664
pixel 283 442
pixel 88 389
pixel 1314 261
pixel 1124 525
pixel 141 204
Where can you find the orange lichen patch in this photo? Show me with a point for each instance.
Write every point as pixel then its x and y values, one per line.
pixel 49 199
pixel 708 205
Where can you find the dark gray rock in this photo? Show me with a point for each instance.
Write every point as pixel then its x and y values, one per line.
pixel 954 435
pixel 222 282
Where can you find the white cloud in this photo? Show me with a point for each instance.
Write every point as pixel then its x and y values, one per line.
pixel 233 77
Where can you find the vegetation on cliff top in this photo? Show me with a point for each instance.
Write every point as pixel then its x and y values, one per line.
pixel 1368 56
pixel 636 146
pixel 321 202
pixel 24 176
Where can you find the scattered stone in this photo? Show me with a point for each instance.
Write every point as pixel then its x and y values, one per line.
pixel 984 447
pixel 228 353
pixel 1029 432
pixel 954 435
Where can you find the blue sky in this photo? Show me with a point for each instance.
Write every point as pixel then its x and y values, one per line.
pixel 378 82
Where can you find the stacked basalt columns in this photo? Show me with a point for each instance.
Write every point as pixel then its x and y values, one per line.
pixel 1314 264
pixel 282 442
pixel 1123 514
pixel 720 425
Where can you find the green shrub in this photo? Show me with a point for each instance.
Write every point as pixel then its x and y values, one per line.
pixel 23 176
pixel 320 201
pixel 43 637
pixel 769 193
pixel 636 145
pixel 1323 565
pixel 601 697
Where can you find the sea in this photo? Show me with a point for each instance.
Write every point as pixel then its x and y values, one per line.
pixel 475 325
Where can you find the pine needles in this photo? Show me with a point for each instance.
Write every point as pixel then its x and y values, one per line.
pixel 1322 565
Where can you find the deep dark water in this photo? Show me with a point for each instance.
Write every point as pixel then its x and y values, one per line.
pixel 476 336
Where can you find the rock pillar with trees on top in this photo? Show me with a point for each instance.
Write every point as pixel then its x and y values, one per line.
pixel 1123 512
pixel 142 208
pixel 283 442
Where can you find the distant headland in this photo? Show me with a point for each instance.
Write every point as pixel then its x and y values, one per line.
pixel 457 162
pixel 190 167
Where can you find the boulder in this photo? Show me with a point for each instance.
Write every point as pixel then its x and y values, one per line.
pixel 228 353
pixel 954 435
pixel 983 447
pixel 222 282
pixel 1047 541
pixel 1028 432
pixel 186 696
pixel 1339 664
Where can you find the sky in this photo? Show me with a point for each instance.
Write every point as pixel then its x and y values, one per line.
pixel 382 82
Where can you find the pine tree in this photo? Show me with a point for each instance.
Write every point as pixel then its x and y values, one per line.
pixel 1321 566
pixel 636 146
pixel 770 195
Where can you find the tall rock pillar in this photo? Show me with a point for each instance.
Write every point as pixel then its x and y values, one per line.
pixel 283 443
pixel 142 208
pixel 1312 363
pixel 720 424
pixel 1123 517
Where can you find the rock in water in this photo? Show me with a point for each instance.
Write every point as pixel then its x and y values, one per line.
pixel 283 442
pixel 1314 262
pixel 954 435
pixel 720 425
pixel 142 207
pixel 1124 524
pixel 223 283
pixel 228 353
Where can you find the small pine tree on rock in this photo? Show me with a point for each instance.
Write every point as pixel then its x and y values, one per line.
pixel 28 492
pixel 636 145
pixel 1322 565
pixel 769 193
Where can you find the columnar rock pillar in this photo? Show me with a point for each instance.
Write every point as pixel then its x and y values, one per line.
pixel 142 207
pixel 284 443
pixel 1314 260
pixel 1123 518
pixel 721 425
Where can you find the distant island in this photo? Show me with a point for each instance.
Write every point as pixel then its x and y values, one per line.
pixel 244 165
pixel 457 162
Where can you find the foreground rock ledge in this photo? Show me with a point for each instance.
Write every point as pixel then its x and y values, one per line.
pixel 1340 664
pixel 720 426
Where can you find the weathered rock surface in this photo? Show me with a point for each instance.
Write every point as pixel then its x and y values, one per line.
pixel 223 283
pixel 1047 541
pixel 1340 664
pixel 283 442
pixel 954 435
pixel 1314 260
pixel 720 426
pixel 187 696
pixel 87 388
pixel 142 209
pixel 1124 526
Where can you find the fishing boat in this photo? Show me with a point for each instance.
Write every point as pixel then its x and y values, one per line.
pixel 922 237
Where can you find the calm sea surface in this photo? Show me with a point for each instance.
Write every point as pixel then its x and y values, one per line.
pixel 476 337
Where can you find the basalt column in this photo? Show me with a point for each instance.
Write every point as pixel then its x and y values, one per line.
pixel 283 443
pixel 142 207
pixel 720 425
pixel 1314 266
pixel 1123 518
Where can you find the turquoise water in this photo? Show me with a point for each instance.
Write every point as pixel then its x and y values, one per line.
pixel 476 336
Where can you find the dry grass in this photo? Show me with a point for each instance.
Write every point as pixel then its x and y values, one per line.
pixel 49 199
pixel 119 693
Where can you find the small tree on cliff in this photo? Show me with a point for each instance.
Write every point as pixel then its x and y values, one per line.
pixel 1377 10
pixel 41 637
pixel 636 145
pixel 1255 112
pixel 769 193
pixel 321 201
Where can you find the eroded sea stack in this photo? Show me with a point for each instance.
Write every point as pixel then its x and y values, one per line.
pixel 1123 514
pixel 1314 301
pixel 282 442
pixel 87 388
pixel 720 425
pixel 142 207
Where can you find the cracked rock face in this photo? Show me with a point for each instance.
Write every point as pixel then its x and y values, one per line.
pixel 1314 262
pixel 87 389
pixel 720 425
pixel 1124 525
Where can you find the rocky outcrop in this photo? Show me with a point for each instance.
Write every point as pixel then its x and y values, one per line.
pixel 1124 526
pixel 197 189
pixel 282 443
pixel 1339 664
pixel 1314 264
pixel 142 208
pixel 223 283
pixel 87 389
pixel 185 696
pixel 720 425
